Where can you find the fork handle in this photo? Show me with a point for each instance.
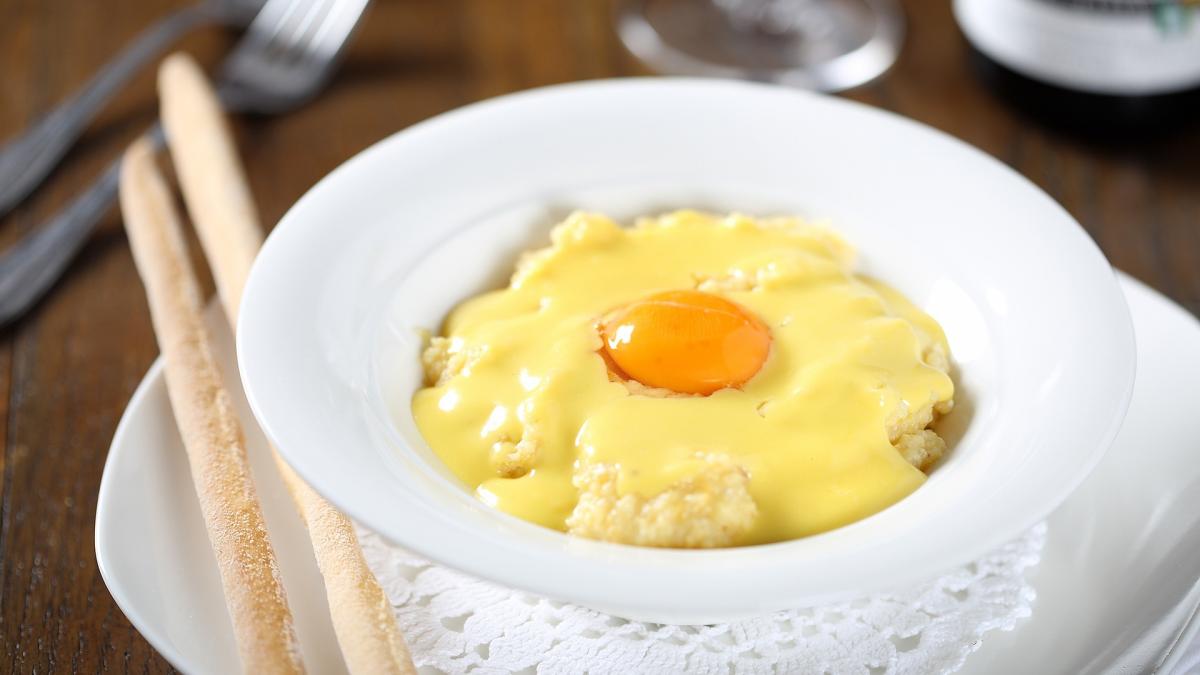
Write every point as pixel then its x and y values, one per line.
pixel 30 268
pixel 27 159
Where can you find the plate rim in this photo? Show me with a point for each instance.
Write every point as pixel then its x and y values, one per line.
pixel 118 591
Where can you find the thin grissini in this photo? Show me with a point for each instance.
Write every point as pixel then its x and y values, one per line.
pixel 222 209
pixel 208 423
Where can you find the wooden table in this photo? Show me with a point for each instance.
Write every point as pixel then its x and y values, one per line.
pixel 71 365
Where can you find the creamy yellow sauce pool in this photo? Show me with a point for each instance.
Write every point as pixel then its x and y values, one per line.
pixel 523 409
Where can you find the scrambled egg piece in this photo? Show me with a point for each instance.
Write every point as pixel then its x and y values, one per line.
pixel 446 358
pixel 513 459
pixel 711 508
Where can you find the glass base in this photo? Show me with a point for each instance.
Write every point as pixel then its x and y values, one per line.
pixel 824 45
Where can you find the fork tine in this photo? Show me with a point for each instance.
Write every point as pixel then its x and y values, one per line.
pixel 269 26
pixel 285 31
pixel 324 28
pixel 298 29
pixel 340 21
pixel 288 52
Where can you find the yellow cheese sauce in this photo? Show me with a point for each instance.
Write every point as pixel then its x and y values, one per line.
pixel 521 402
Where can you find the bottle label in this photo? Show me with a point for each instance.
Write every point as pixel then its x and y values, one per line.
pixel 1115 47
pixel 1169 16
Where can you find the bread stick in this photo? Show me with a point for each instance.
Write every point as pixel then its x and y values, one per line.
pixel 222 209
pixel 212 435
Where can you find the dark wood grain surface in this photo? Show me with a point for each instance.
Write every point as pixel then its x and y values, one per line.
pixel 70 366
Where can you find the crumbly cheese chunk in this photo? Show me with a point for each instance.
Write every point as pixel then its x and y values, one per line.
pixel 513 459
pixel 709 509
pixel 908 429
pixel 921 449
pixel 445 358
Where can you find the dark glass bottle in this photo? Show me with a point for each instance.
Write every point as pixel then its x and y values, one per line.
pixel 1090 66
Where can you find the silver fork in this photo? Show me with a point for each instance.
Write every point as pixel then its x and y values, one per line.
pixel 27 159
pixel 286 56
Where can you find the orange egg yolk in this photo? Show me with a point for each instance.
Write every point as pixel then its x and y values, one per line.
pixel 690 342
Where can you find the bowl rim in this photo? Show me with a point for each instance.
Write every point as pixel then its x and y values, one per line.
pixel 628 558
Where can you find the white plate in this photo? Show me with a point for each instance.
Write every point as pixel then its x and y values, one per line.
pixel 390 241
pixel 1120 566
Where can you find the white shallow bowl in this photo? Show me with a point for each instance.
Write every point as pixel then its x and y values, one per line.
pixel 388 243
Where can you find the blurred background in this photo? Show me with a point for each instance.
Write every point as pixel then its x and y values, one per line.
pixel 1095 102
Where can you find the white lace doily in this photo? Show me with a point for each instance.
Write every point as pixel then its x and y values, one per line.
pixel 455 624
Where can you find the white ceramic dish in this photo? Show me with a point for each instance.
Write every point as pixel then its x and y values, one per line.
pixel 1119 569
pixel 390 241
